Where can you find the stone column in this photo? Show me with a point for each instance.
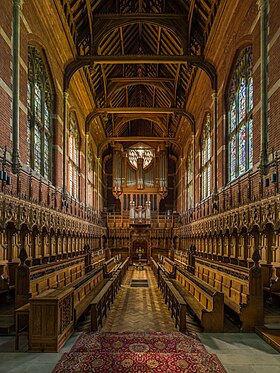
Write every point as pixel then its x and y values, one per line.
pixel 86 166
pixel 17 6
pixel 64 149
pixel 215 137
pixel 263 7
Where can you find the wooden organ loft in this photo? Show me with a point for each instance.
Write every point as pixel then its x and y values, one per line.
pixel 140 177
pixel 140 187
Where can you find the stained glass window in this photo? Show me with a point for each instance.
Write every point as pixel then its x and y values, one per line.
pixel 240 123
pixel 39 104
pixel 206 158
pixel 90 177
pixel 189 181
pixel 73 157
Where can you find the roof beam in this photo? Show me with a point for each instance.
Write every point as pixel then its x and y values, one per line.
pixel 104 24
pixel 136 59
pixel 158 52
pixel 128 111
pixel 137 110
pixel 90 23
pixel 198 61
pixel 176 83
pixel 125 84
pixel 140 80
pixel 138 17
pixel 190 19
pixel 136 139
pixel 121 121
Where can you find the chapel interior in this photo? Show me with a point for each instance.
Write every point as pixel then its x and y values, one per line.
pixel 139 177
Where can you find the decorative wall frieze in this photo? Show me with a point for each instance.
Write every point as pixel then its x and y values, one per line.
pixel 24 213
pixel 255 215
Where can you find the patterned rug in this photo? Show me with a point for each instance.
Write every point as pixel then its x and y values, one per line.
pixel 139 352
pixel 149 342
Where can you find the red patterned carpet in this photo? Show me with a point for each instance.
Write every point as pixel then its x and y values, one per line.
pixel 139 352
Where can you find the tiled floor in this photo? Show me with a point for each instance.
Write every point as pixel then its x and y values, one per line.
pixel 242 352
pixel 142 309
pixel 139 309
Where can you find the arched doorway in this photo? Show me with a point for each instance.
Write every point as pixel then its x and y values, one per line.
pixel 139 251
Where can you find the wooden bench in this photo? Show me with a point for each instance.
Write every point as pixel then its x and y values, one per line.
pixel 154 266
pixel 169 265
pixel 181 259
pixel 85 289
pixel 205 301
pixel 175 302
pixel 94 259
pixel 32 281
pixel 123 268
pixel 98 263
pixel 51 320
pixel 242 288
pixel 110 265
pixel 271 280
pixel 102 302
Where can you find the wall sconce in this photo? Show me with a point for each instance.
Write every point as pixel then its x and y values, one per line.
pixel 4 177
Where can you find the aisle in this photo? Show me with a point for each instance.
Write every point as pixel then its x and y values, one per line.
pixel 137 308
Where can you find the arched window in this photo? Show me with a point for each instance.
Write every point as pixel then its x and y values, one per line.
pixel 73 155
pixel 239 113
pixel 206 158
pixel 189 181
pixel 40 106
pixel 90 176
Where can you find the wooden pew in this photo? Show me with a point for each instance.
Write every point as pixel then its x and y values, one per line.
pixel 181 259
pixel 242 288
pixel 169 265
pixel 98 261
pixel 271 281
pixel 83 290
pixel 110 265
pixel 123 267
pixel 175 302
pixel 31 281
pixel 94 259
pixel 51 320
pixel 205 301
pixel 154 266
pixel 186 259
pixel 102 302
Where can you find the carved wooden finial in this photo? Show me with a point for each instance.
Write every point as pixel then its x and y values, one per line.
pixel 22 255
pixel 256 257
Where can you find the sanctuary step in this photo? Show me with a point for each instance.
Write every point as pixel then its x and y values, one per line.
pixel 271 336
